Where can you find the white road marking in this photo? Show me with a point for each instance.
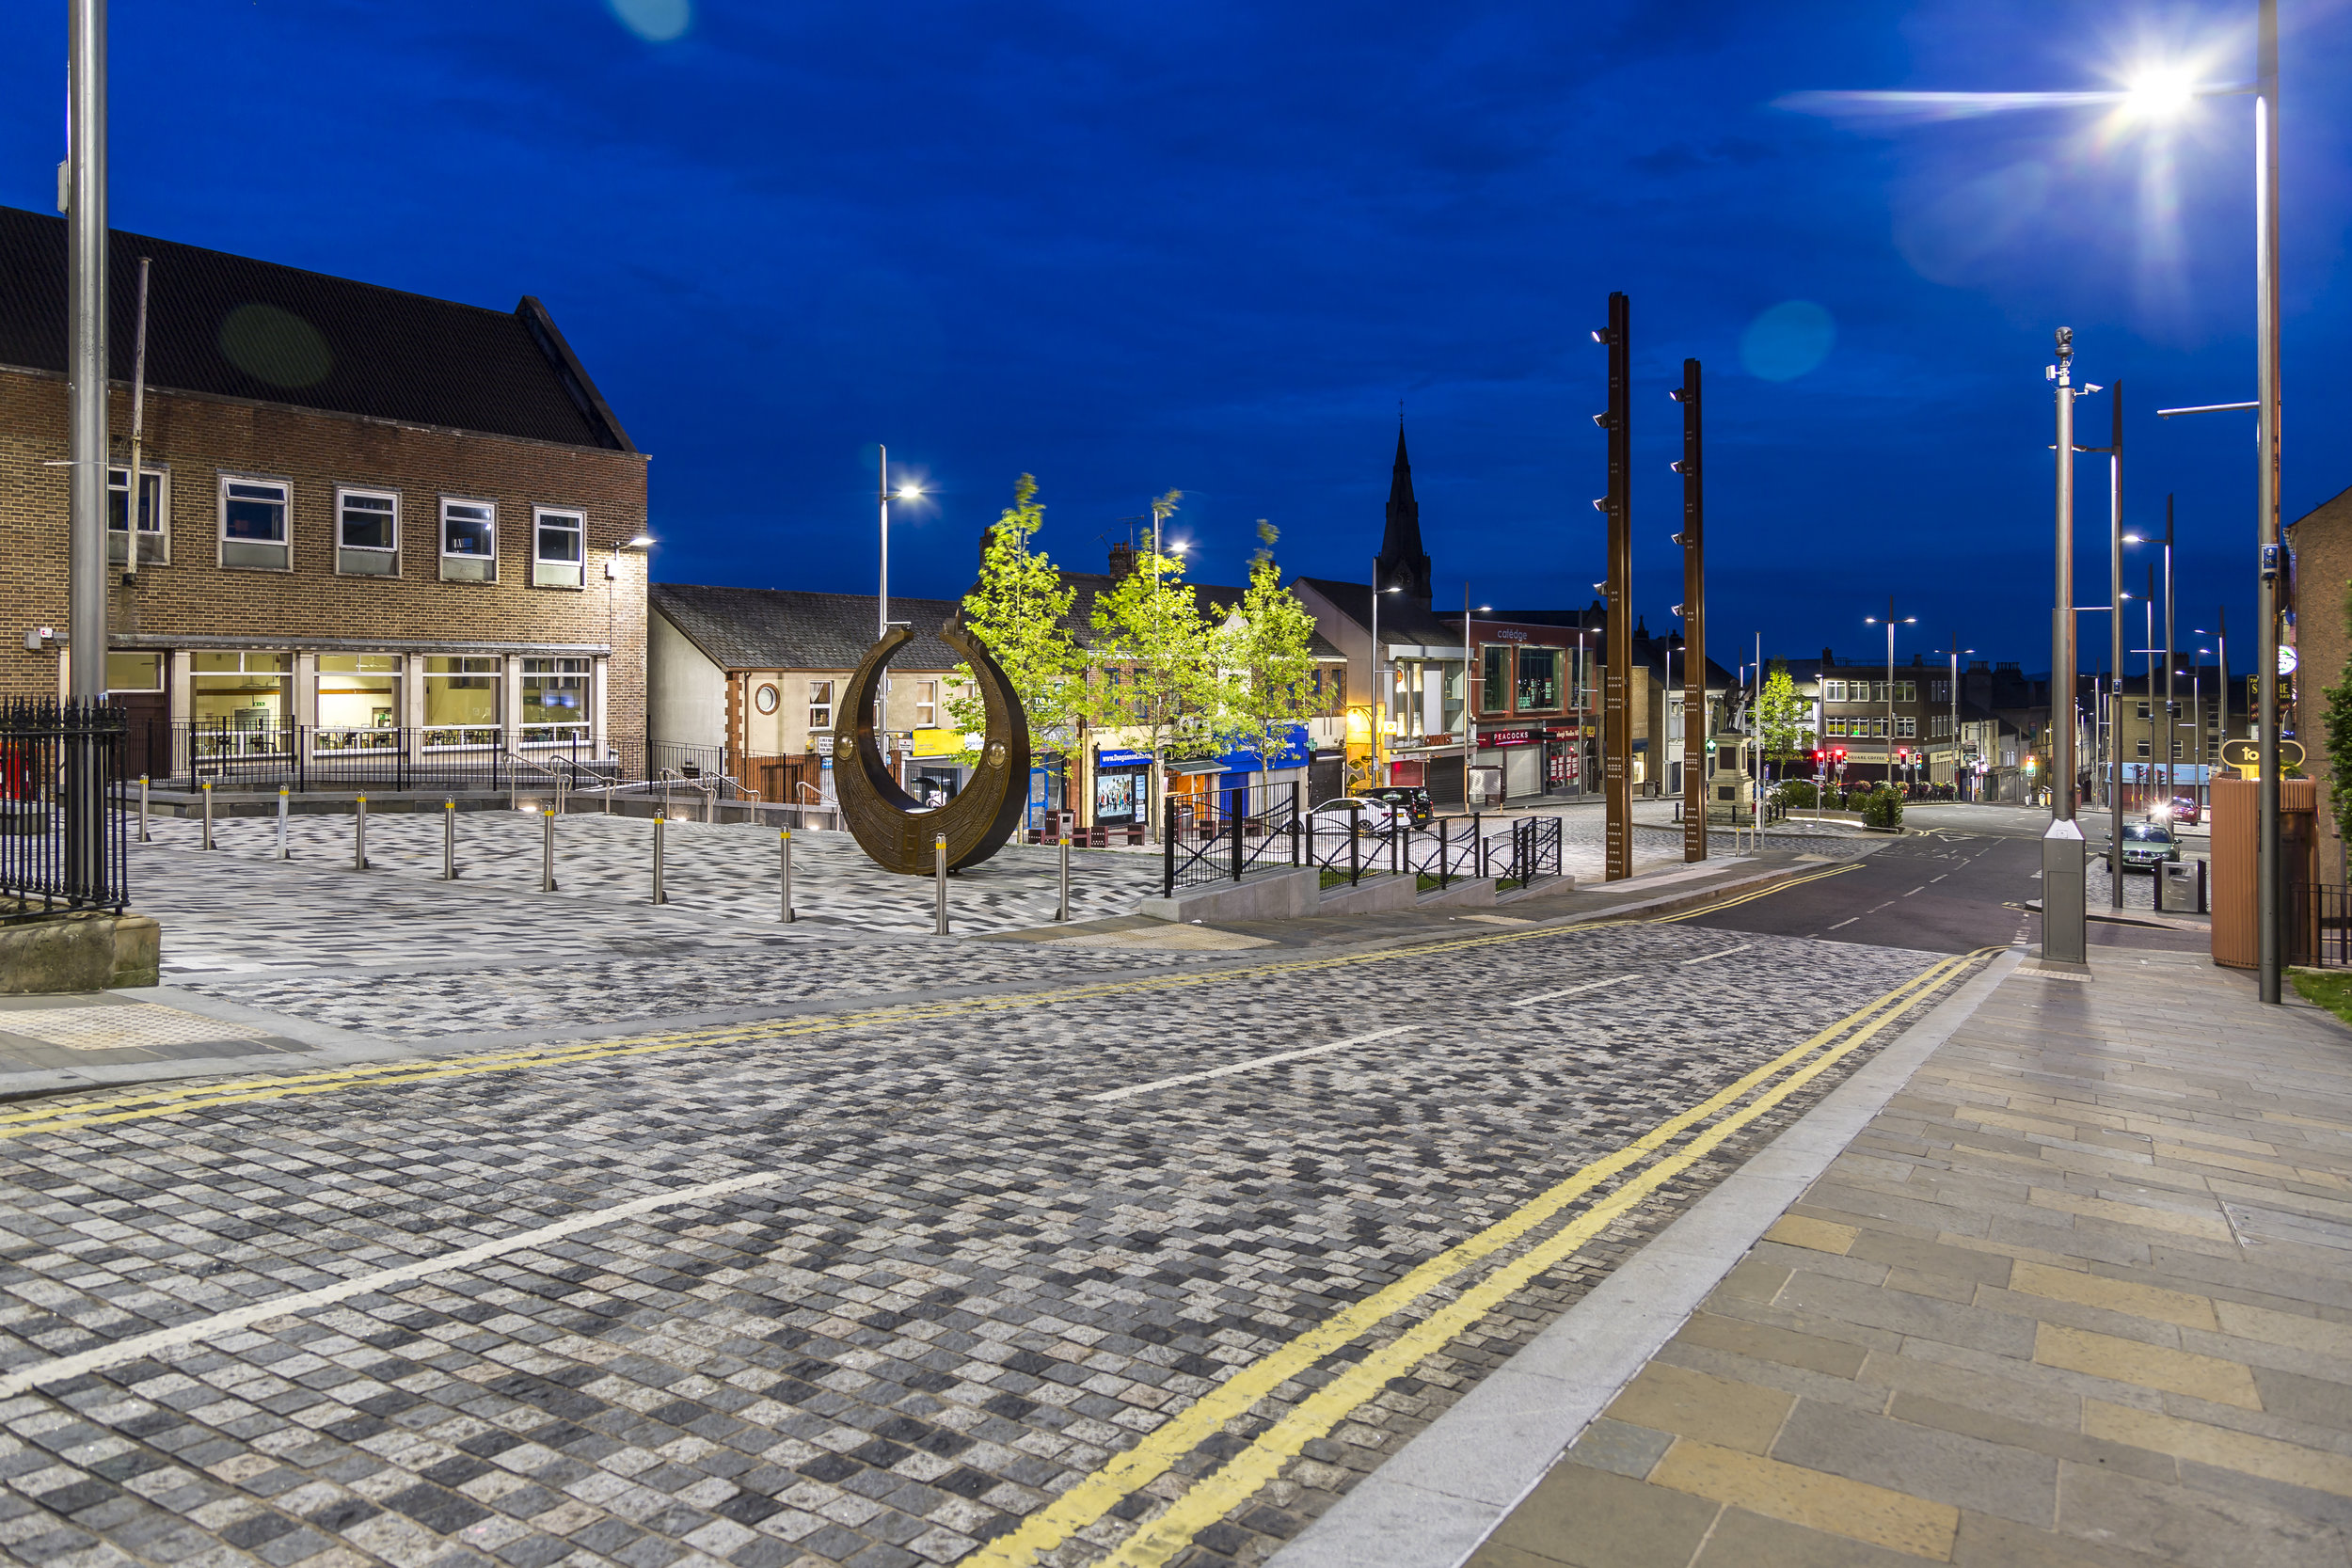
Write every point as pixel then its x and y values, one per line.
pixel 1922 888
pixel 142 1345
pixel 1848 921
pixel 1725 954
pixel 1931 881
pixel 1572 991
pixel 1249 1065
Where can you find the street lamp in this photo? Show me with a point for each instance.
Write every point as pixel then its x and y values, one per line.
pixel 1890 623
pixel 1379 687
pixel 882 597
pixel 1953 692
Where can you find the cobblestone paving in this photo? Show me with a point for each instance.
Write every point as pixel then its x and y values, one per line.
pixel 946 1287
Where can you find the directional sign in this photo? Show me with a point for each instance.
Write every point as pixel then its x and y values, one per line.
pixel 2247 755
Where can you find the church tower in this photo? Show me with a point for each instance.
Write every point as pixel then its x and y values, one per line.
pixel 1404 564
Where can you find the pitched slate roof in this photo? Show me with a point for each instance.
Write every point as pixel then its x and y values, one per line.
pixel 1211 600
pixel 1402 619
pixel 790 628
pixel 237 328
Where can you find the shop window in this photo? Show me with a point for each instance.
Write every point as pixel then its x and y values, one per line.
pixel 241 690
pixel 367 533
pixel 1494 689
pixel 154 530
pixel 470 541
pixel 556 555
pixel 359 702
pixel 1538 689
pixel 820 705
pixel 253 524
pixel 462 701
pixel 555 699
pixel 135 671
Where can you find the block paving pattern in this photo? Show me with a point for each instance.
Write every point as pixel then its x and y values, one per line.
pixel 2081 1294
pixel 964 1287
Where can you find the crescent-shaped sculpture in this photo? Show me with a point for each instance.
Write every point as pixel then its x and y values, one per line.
pixel 892 825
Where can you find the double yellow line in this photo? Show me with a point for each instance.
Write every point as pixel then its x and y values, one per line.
pixel 147 1104
pixel 1220 1492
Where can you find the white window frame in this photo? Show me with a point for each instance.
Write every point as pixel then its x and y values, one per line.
pixel 284 542
pixel 1832 692
pixel 1906 727
pixel 160 554
pixel 927 704
pixel 820 713
pixel 391 555
pixel 556 732
pixel 467 558
pixel 560 574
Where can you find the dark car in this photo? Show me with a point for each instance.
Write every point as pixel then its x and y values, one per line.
pixel 1411 802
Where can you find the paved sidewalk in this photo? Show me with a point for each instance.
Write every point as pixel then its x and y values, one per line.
pixel 2080 1293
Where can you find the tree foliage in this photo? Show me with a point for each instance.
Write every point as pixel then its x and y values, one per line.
pixel 1266 663
pixel 1018 608
pixel 2339 739
pixel 1781 713
pixel 1152 656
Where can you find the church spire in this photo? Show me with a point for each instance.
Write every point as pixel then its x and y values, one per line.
pixel 1404 563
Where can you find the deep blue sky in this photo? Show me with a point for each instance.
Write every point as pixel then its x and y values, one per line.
pixel 1208 247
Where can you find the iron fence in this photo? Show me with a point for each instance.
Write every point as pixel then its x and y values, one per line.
pixel 1526 849
pixel 2319 925
pixel 62 836
pixel 1230 847
pixel 195 751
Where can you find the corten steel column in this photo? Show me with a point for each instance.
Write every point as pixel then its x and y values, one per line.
pixel 2266 880
pixel 1616 701
pixel 1694 784
pixel 2064 935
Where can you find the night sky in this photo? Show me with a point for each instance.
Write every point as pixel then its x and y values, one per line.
pixel 1210 247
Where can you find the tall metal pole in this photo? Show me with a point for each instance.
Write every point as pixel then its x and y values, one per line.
pixel 2267 874
pixel 2115 629
pixel 1890 691
pixel 882 596
pixel 1693 622
pixel 1617 700
pixel 85 315
pixel 2064 935
pixel 1379 687
pixel 2171 729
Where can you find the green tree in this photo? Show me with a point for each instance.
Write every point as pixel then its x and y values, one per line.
pixel 1018 608
pixel 1152 647
pixel 1266 663
pixel 2339 733
pixel 1780 715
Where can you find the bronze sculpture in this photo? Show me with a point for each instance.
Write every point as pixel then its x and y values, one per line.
pixel 890 825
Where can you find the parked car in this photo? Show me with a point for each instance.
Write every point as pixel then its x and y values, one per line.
pixel 1412 800
pixel 1334 816
pixel 2183 809
pixel 2149 844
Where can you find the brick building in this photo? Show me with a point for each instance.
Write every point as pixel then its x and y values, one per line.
pixel 2320 631
pixel 364 518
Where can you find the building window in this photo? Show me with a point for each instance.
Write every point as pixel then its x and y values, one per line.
pixel 241 691
pixel 1832 692
pixel 135 671
pixel 1540 680
pixel 461 701
pixel 556 557
pixel 927 704
pixel 253 524
pixel 2144 710
pixel 2143 747
pixel 1906 691
pixel 766 698
pixel 359 702
pixel 154 533
pixel 1494 690
pixel 555 700
pixel 367 533
pixel 820 705
pixel 470 541
pixel 1906 727
pixel 1940 691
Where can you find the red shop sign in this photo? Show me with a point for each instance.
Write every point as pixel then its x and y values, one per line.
pixel 1509 738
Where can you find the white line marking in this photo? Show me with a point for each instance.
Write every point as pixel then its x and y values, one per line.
pixel 1931 881
pixel 1249 1065
pixel 1920 889
pixel 1848 921
pixel 1572 991
pixel 142 1345
pixel 1725 954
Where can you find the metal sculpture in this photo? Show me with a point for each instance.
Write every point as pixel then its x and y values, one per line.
pixel 892 827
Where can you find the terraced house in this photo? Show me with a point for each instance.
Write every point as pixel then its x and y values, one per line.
pixel 366 522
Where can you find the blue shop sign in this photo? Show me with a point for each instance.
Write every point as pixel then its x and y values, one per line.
pixel 1104 758
pixel 1240 759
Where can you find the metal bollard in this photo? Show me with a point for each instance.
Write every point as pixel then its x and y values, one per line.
pixel 207 814
pixel 938 884
pixel 143 808
pixel 449 841
pixel 359 837
pixel 789 913
pixel 283 853
pixel 547 850
pixel 658 897
pixel 1061 909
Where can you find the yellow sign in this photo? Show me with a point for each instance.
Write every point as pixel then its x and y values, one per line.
pixel 2247 756
pixel 938 743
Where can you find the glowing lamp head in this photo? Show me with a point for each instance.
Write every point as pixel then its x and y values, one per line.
pixel 2159 92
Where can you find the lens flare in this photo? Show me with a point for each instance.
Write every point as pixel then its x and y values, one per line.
pixel 654 21
pixel 1786 340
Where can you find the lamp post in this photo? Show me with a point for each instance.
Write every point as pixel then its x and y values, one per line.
pixel 1470 714
pixel 1952 691
pixel 882 596
pixel 2065 938
pixel 1379 687
pixel 1890 623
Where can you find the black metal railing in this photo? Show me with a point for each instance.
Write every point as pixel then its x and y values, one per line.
pixel 63 838
pixel 1197 849
pixel 1525 850
pixel 2319 925
pixel 230 755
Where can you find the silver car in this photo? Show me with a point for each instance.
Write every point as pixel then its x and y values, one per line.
pixel 2149 844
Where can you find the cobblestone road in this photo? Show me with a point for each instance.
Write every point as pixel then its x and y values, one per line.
pixel 1146 1264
